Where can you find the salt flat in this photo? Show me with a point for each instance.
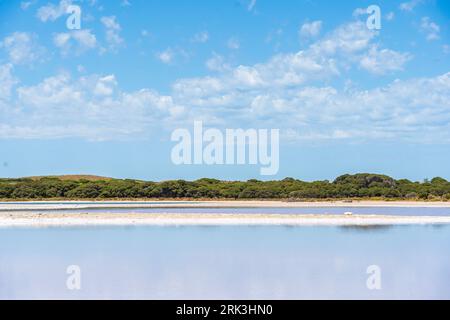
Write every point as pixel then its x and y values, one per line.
pixel 27 219
pixel 49 205
pixel 47 214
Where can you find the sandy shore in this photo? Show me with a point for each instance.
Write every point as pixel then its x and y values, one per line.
pixel 67 205
pixel 27 219
pixel 37 214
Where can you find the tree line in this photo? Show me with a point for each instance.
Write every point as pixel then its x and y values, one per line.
pixel 358 186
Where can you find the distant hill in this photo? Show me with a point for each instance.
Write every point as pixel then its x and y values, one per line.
pixel 73 178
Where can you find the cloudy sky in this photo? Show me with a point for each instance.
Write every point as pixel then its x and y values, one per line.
pixel 104 99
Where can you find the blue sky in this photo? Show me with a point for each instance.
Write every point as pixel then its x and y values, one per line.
pixel 104 99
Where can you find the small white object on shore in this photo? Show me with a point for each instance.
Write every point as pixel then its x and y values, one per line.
pixel 348 213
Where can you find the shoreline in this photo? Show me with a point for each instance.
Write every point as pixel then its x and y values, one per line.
pixel 27 219
pixel 122 204
pixel 48 214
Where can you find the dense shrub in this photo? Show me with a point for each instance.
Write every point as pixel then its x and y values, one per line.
pixel 346 186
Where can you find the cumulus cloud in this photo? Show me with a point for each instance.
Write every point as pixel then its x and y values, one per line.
pixel 359 12
pixel 113 29
pixel 201 37
pixel 430 28
pixel 51 12
pixel 217 63
pixel 349 39
pixel 76 41
pixel 93 107
pixel 310 29
pixel 7 81
pixel 105 86
pixel 289 90
pixel 284 89
pixel 25 5
pixel 409 5
pixel 22 48
pixel 233 43
pixel 390 16
pixel 383 61
pixel 171 55
pixel 323 60
pixel 166 56
pixel 90 107
pixel 414 110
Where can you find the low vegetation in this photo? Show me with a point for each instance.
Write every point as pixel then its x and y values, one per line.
pixel 358 186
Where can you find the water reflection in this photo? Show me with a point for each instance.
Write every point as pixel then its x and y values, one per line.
pixel 225 262
pixel 373 228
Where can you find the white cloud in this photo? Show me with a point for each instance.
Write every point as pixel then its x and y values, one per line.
pixel 347 39
pixel 171 55
pixel 201 37
pixel 289 90
pixel 22 48
pixel 61 40
pixel 283 89
pixel 51 12
pixel 90 107
pixel 113 29
pixel 324 59
pixel 410 5
pixel 83 40
pixel 217 63
pixel 25 5
pixel 166 56
pixel 310 29
pixel 93 107
pixel 363 12
pixel 383 61
pixel 430 28
pixel 233 43
pixel 390 16
pixel 105 86
pixel 416 110
pixel 359 12
pixel 7 81
pixel 111 23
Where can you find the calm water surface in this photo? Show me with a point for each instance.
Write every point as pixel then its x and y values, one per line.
pixel 97 203
pixel 395 211
pixel 226 262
